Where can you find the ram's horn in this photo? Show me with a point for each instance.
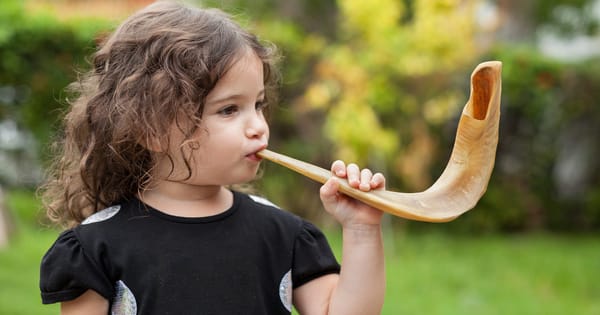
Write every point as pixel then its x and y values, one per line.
pixel 467 174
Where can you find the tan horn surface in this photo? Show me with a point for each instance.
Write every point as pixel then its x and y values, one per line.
pixel 466 176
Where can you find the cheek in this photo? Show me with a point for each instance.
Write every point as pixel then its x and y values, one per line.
pixel 267 128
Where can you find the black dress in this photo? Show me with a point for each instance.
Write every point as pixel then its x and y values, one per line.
pixel 246 260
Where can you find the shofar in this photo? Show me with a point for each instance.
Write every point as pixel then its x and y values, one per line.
pixel 467 174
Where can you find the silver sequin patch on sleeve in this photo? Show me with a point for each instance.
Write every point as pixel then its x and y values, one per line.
pixel 102 215
pixel 285 291
pixel 124 302
pixel 263 201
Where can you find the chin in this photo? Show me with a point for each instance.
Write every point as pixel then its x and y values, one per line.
pixel 244 179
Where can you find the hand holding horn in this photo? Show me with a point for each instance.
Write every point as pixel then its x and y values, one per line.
pixel 466 176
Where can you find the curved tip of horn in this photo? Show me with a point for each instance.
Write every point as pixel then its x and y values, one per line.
pixel 486 71
pixel 484 83
pixel 493 64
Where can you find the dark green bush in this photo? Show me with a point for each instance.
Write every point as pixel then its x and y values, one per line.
pixel 39 57
pixel 547 175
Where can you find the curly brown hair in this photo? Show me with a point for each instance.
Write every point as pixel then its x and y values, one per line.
pixel 152 72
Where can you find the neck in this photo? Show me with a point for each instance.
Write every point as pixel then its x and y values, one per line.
pixel 185 200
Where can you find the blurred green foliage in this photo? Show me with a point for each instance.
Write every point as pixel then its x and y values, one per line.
pixel 548 143
pixel 380 85
pixel 567 17
pixel 39 57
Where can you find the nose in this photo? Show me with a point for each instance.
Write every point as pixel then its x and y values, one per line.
pixel 257 126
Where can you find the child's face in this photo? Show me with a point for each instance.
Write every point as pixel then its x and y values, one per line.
pixel 232 130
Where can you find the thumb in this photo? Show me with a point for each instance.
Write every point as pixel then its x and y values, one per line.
pixel 329 193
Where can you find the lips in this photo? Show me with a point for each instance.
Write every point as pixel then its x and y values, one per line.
pixel 254 156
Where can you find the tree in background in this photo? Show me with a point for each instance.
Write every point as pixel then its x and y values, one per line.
pixel 548 174
pixel 381 85
pixel 387 81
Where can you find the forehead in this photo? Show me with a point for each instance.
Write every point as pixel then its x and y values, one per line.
pixel 244 77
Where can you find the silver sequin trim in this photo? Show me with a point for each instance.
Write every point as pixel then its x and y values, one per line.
pixel 124 302
pixel 264 201
pixel 102 215
pixel 285 291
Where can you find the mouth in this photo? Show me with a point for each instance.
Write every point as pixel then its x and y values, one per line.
pixel 254 155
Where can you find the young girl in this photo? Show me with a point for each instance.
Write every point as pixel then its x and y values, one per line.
pixel 170 116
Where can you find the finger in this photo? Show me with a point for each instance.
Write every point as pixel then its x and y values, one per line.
pixel 378 181
pixel 353 174
pixel 338 168
pixel 329 192
pixel 365 179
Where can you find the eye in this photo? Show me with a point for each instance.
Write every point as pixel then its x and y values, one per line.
pixel 260 105
pixel 228 110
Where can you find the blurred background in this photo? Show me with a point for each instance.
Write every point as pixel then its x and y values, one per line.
pixel 381 83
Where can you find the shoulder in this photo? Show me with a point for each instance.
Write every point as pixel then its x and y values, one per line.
pixel 263 201
pixel 102 219
pixel 260 208
pixel 257 202
pixel 91 228
pixel 105 225
pixel 102 215
pixel 115 214
pixel 262 204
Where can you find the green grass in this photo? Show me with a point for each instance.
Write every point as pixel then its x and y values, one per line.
pixel 427 273
pixel 540 274
pixel 19 263
pixel 19 273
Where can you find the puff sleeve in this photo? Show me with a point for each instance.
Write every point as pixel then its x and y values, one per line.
pixel 313 257
pixel 67 272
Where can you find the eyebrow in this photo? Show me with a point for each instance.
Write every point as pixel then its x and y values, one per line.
pixel 232 97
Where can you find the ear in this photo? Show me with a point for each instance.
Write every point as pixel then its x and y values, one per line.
pixel 154 144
